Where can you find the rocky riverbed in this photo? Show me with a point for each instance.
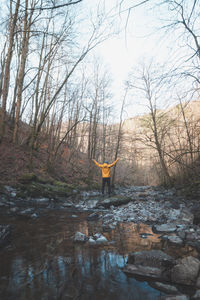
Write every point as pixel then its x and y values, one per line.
pixel 173 217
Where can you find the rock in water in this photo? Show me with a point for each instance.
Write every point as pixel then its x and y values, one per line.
pixel 80 237
pixel 5 231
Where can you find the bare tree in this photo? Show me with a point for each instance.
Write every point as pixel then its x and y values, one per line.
pixel 150 88
pixel 120 134
pixel 23 59
pixel 6 77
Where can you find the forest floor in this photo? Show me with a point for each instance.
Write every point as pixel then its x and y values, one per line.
pixel 15 164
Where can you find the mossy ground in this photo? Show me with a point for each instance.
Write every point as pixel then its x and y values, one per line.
pixel 34 186
pixel 36 189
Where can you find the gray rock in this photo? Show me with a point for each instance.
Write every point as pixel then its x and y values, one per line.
pixel 145 271
pixel 166 288
pixel 97 235
pixel 152 258
pixel 108 217
pixel 14 209
pixel 10 203
pixel 101 240
pixel 98 238
pixel 196 295
pixel 175 240
pixel 5 232
pixel 192 236
pixel 25 212
pixel 154 264
pixel 195 210
pixel 42 200
pixel 93 216
pixel 80 237
pixel 92 203
pixel 174 214
pixel 67 204
pixel 198 282
pixel 172 297
pixel 186 271
pixel 114 200
pixel 186 217
pixel 181 234
pixel 91 241
pixel 11 191
pixel 34 216
pixel 164 228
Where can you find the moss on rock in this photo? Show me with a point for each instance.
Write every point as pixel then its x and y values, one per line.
pixel 27 178
pixel 37 189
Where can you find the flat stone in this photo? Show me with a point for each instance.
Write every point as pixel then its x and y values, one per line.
pixel 67 204
pixel 145 271
pixel 175 240
pixel 164 228
pixel 172 297
pixel 166 288
pixel 42 200
pixel 14 209
pixel 114 200
pixel 153 258
pixel 27 211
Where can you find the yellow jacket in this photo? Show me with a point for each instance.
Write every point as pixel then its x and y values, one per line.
pixel 105 168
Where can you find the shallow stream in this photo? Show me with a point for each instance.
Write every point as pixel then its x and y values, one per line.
pixel 43 262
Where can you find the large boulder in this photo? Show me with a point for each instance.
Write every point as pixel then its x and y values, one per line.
pixel 186 271
pixel 114 201
pixel 154 264
pixel 154 258
pixel 144 271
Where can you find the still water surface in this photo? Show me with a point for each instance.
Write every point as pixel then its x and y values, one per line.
pixel 42 262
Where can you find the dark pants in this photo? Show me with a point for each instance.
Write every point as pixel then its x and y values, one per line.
pixel 106 180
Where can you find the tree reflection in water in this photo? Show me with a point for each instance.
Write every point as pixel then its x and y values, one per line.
pixel 43 263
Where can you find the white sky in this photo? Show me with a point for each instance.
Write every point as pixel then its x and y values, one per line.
pixel 140 41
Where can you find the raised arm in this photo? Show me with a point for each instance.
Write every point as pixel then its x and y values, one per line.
pixel 111 165
pixel 99 165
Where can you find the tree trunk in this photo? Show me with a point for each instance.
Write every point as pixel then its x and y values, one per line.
pixel 6 81
pixel 20 81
